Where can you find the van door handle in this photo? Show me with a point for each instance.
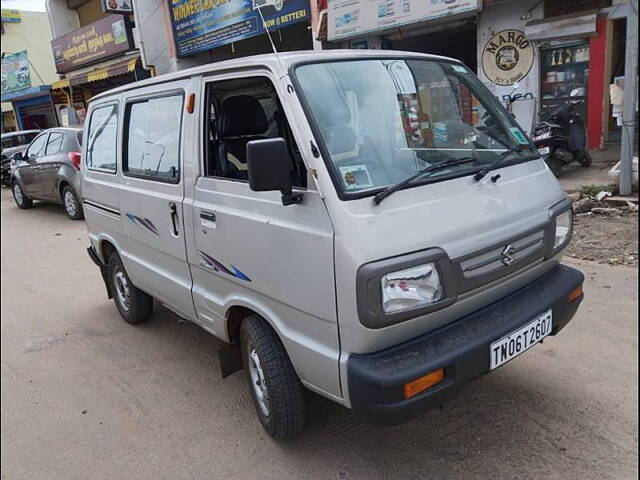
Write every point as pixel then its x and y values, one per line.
pixel 207 220
pixel 210 216
pixel 173 212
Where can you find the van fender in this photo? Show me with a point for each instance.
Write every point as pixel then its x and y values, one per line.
pixel 229 353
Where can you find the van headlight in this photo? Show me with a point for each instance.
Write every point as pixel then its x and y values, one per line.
pixel 564 225
pixel 413 287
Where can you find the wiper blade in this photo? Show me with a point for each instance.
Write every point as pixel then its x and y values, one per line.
pixel 513 149
pixel 451 162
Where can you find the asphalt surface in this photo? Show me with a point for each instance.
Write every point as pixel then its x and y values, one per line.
pixel 85 395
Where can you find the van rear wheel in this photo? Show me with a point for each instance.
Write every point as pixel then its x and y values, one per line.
pixel 275 388
pixel 134 305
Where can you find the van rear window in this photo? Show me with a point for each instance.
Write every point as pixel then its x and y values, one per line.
pixel 101 144
pixel 152 139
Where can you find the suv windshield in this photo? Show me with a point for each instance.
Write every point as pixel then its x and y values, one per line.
pixel 383 120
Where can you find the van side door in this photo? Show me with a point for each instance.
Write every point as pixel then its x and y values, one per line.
pixel 152 193
pixel 252 251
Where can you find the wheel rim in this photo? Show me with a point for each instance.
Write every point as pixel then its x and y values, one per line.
pixel 70 203
pixel 123 291
pixel 17 193
pixel 257 382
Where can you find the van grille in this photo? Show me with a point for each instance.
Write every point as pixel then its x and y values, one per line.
pixel 495 259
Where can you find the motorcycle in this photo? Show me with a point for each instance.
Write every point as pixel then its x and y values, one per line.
pixel 561 136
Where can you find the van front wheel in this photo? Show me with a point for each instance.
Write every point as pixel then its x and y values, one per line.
pixel 134 305
pixel 275 388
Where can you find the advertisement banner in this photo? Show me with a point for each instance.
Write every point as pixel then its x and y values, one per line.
pixel 15 72
pixel 200 25
pixel 102 39
pixel 350 18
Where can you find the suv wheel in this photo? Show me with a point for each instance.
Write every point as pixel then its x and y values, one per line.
pixel 276 391
pixel 22 201
pixel 71 204
pixel 134 305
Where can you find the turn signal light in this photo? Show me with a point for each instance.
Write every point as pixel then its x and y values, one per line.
pixel 418 385
pixel 191 102
pixel 575 294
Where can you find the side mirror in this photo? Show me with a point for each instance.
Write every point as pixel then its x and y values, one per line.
pixel 18 156
pixel 268 168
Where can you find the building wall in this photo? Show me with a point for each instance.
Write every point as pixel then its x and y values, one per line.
pixel 20 36
pixel 61 19
pixel 154 32
pixel 503 16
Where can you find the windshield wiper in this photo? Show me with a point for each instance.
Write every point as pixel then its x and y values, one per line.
pixel 421 173
pixel 501 158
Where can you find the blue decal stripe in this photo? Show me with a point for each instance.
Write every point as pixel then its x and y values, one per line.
pixel 219 267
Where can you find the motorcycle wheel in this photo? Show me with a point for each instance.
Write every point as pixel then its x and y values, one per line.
pixel 585 159
pixel 554 165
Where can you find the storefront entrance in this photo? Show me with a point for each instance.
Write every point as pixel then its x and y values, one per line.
pixel 458 42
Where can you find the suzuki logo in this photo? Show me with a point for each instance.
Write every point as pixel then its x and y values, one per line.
pixel 507 255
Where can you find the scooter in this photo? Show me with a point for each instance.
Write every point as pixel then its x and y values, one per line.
pixel 561 136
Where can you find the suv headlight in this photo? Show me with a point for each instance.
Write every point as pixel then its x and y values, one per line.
pixel 410 288
pixel 564 225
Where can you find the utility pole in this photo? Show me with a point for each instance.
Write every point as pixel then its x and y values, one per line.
pixel 630 97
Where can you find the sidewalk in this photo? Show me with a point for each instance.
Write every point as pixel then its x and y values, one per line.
pixel 574 176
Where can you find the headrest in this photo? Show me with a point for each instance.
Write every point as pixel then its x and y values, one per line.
pixel 241 115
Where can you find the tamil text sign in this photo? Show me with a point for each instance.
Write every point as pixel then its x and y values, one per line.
pixel 351 18
pixel 15 72
pixel 103 39
pixel 200 25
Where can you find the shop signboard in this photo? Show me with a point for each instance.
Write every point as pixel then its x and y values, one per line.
pixel 507 57
pixel 15 72
pixel 117 6
pixel 205 24
pixel 351 18
pixel 105 38
pixel 11 16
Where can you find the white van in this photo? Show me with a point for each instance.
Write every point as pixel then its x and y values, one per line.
pixel 370 225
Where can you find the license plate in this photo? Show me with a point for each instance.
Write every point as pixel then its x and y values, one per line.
pixel 544 151
pixel 512 345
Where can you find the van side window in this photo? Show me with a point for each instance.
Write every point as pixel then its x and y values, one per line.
pixel 103 134
pixel 152 139
pixel 239 111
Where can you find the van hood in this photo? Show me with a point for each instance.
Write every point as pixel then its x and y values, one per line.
pixel 460 216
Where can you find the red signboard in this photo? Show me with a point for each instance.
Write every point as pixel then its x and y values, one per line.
pixel 102 39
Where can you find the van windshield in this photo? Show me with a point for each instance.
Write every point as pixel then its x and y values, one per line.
pixel 382 120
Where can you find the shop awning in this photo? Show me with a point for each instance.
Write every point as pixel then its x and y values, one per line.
pixel 120 67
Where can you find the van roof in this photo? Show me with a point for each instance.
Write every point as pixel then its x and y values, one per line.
pixel 279 63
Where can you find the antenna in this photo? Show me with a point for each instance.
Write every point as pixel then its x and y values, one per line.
pixel 266 29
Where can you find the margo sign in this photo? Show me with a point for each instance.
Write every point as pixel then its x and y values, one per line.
pixel 507 57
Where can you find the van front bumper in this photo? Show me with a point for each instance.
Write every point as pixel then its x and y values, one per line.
pixel 376 380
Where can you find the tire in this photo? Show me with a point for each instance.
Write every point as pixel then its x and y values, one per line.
pixel 283 415
pixel 555 166
pixel 134 305
pixel 585 159
pixel 21 199
pixel 71 204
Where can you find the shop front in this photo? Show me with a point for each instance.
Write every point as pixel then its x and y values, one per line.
pixel 93 59
pixel 445 28
pixel 214 31
pixel 31 104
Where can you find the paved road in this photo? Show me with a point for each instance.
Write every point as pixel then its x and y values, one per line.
pixel 86 396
